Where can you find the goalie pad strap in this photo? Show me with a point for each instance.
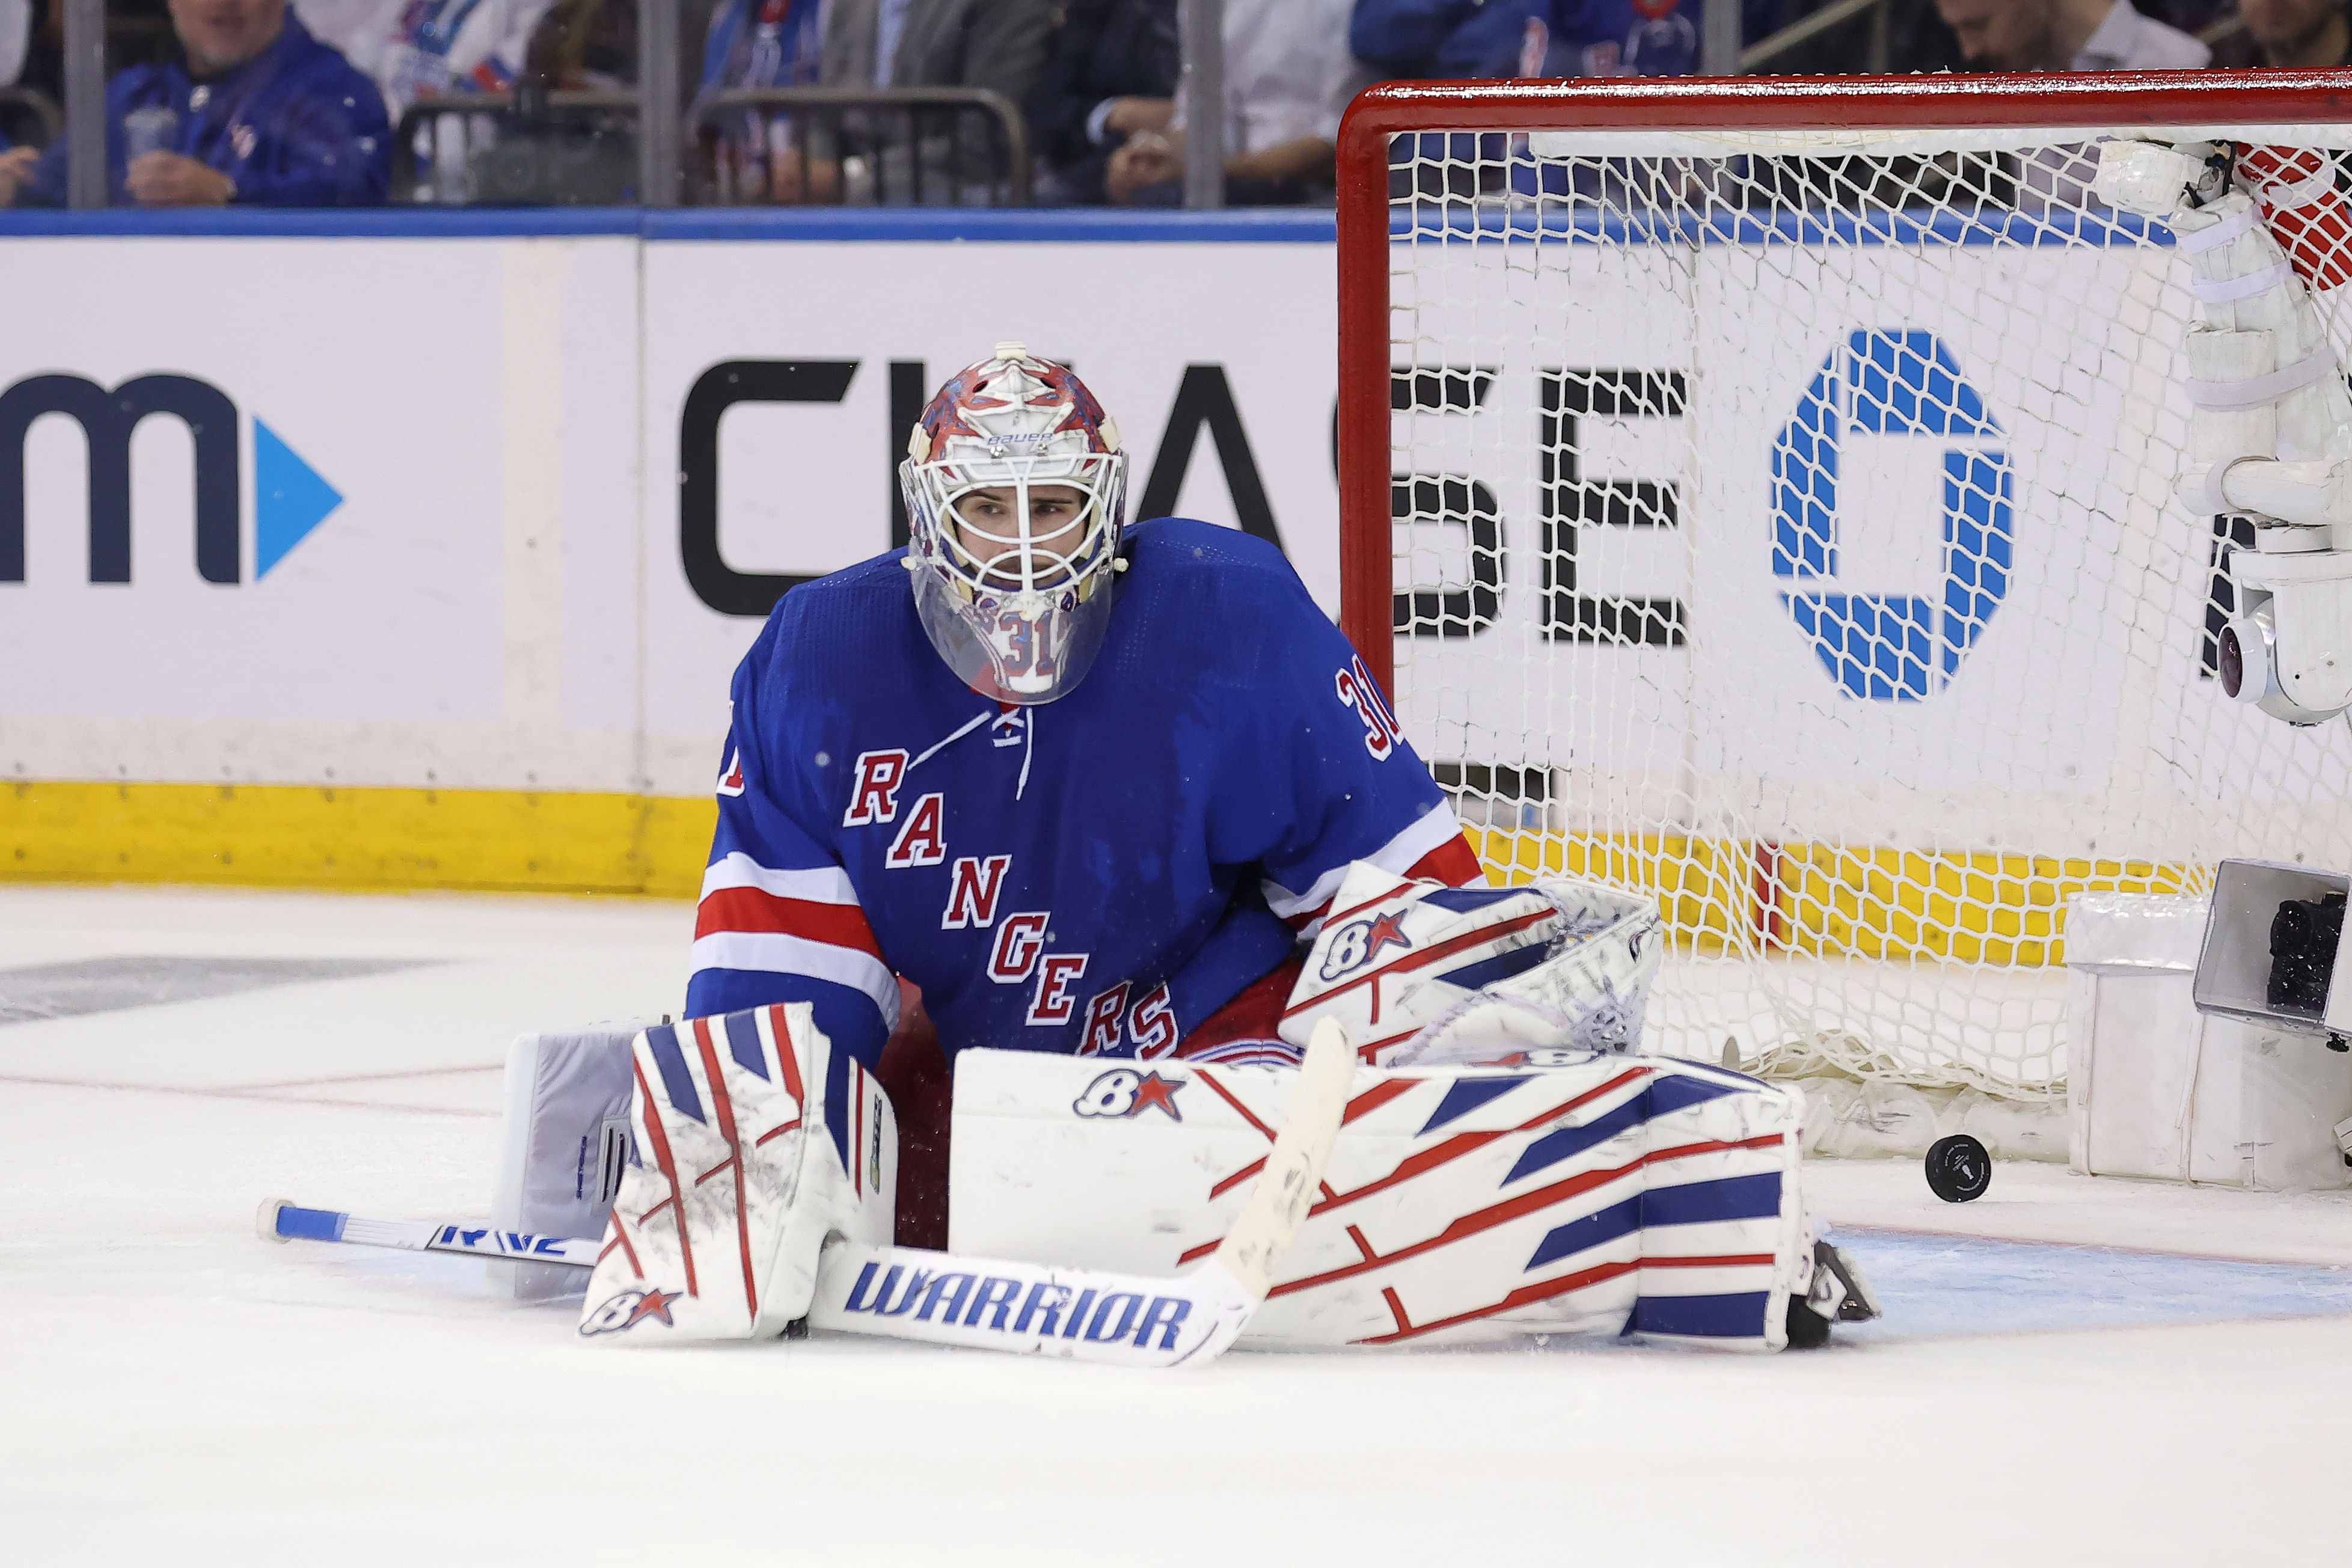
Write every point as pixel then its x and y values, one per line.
pixel 2215 500
pixel 2197 242
pixel 2222 290
pixel 2256 390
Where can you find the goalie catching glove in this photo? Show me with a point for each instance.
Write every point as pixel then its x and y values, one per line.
pixel 1421 973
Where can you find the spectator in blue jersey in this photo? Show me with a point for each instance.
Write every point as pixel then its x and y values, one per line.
pixel 1629 38
pixel 751 153
pixel 253 110
pixel 1443 40
pixel 1417 39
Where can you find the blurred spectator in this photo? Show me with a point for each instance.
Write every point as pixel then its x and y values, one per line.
pixel 1113 72
pixel 15 37
pixel 591 46
pixel 426 48
pixel 1628 38
pixel 995 44
pixel 257 112
pixel 42 69
pixel 1288 78
pixel 1917 40
pixel 2067 35
pixel 2309 35
pixel 1422 39
pixel 999 44
pixel 759 44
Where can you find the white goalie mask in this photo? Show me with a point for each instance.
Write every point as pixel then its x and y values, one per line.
pixel 1015 489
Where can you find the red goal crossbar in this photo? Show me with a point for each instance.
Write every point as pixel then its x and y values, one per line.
pixel 2056 101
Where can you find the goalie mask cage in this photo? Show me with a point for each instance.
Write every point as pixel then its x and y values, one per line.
pixel 1759 494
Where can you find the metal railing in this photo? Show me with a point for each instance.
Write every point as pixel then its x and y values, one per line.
pixel 497 149
pixel 19 103
pixel 824 146
pixel 1200 88
pixel 901 146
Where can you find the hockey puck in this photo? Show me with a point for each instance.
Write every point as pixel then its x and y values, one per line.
pixel 1960 1169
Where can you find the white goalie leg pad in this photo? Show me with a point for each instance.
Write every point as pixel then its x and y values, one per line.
pixel 756 1141
pixel 1553 1192
pixel 1419 971
pixel 563 1147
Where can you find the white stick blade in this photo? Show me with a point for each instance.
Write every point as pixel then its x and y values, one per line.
pixel 1284 1190
pixel 1026 1308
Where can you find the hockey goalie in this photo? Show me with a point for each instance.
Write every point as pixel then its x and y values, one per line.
pixel 1126 814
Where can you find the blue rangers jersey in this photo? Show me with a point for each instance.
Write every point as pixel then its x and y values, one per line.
pixel 1095 875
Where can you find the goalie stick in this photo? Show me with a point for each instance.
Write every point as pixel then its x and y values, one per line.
pixel 904 1292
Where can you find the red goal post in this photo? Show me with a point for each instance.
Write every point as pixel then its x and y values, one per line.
pixel 1868 907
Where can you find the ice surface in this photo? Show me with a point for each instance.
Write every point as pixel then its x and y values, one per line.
pixel 2071 1370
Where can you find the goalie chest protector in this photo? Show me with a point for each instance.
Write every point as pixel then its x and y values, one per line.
pixel 1096 875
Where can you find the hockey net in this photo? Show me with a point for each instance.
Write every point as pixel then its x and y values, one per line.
pixel 1764 494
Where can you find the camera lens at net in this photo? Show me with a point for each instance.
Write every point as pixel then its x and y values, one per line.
pixel 2234 663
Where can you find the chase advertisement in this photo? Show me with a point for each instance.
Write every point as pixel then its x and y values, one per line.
pixel 1817 525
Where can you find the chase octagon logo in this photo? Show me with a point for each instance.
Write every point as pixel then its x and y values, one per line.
pixel 1879 646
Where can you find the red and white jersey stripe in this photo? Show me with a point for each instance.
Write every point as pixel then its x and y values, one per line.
pixel 1431 847
pixel 791 922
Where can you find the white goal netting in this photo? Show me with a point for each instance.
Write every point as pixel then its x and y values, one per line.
pixel 1784 527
